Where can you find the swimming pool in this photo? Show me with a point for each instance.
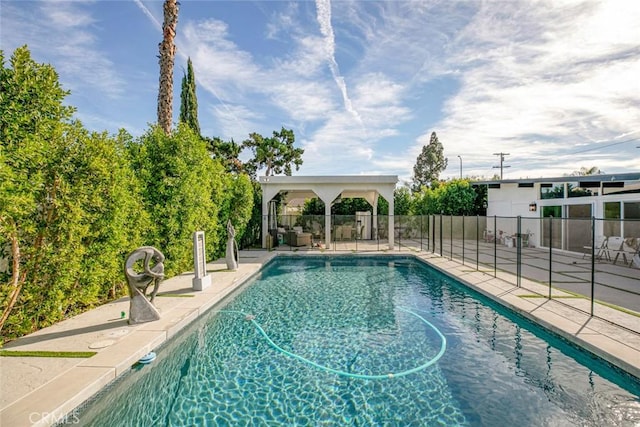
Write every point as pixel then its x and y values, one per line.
pixel 328 321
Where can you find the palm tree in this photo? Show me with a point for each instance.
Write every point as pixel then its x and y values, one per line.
pixel 584 171
pixel 167 56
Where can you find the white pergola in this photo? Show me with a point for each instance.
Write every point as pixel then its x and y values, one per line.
pixel 327 189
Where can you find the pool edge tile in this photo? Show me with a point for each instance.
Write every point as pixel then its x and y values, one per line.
pixel 127 351
pixel 55 400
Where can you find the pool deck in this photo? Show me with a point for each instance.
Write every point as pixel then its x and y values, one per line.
pixel 41 391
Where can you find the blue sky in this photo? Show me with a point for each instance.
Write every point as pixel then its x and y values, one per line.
pixel 556 84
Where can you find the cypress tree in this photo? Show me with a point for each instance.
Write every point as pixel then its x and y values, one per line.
pixel 189 101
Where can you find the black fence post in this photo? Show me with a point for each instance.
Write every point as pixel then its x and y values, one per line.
pixel 400 234
pixel 357 230
pixel 550 252
pixel 421 217
pixel 428 232
pixel 462 239
pixel 433 234
pixel 333 232
pixel 477 242
pixel 495 246
pixel 288 221
pixel 593 261
pixel 450 237
pixel 519 253
pixel 441 249
pixel 378 231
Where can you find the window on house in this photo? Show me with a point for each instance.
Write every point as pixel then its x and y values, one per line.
pixel 552 226
pixel 578 227
pixel 550 191
pixel 631 219
pixel 579 189
pixel 611 226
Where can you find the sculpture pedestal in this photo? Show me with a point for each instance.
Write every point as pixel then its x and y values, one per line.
pixel 200 283
pixel 141 310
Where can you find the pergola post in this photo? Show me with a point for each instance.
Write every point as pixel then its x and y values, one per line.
pixel 375 220
pixel 268 193
pixel 387 193
pixel 327 195
pixel 265 221
pixel 327 225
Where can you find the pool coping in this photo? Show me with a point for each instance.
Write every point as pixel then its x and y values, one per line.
pixel 43 391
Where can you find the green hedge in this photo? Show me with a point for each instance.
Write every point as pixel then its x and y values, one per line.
pixel 73 203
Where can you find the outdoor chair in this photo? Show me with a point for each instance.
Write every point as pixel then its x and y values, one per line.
pixel 294 238
pixel 347 232
pixel 488 236
pixel 629 247
pixel 600 248
pixel 344 232
pixel 635 252
pixel 615 246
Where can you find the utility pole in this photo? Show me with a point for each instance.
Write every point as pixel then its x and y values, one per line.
pixel 501 162
pixel 460 157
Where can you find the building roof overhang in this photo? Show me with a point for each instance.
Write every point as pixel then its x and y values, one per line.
pixel 344 186
pixel 618 177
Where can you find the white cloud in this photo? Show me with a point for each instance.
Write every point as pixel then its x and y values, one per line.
pixel 299 85
pixel 303 100
pixel 221 66
pixel 282 21
pixel 363 84
pixel 537 81
pixel 63 32
pixel 293 85
pixel 232 121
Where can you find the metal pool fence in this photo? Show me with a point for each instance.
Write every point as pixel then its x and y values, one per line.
pixel 591 264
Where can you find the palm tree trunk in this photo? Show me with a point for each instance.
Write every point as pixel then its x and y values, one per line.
pixel 167 57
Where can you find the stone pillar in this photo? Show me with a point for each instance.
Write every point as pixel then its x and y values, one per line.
pixel 201 279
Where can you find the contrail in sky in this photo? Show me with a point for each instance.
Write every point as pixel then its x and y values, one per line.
pixel 147 12
pixel 323 8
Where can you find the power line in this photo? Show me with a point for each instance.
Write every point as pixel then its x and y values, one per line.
pixel 605 146
pixel 501 154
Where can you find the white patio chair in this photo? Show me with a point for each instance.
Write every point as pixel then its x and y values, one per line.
pixel 635 254
pixel 615 247
pixel 600 248
pixel 631 249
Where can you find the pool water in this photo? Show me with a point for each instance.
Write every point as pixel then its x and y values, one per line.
pixel 328 321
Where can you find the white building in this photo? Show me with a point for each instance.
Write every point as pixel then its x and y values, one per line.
pixel 612 202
